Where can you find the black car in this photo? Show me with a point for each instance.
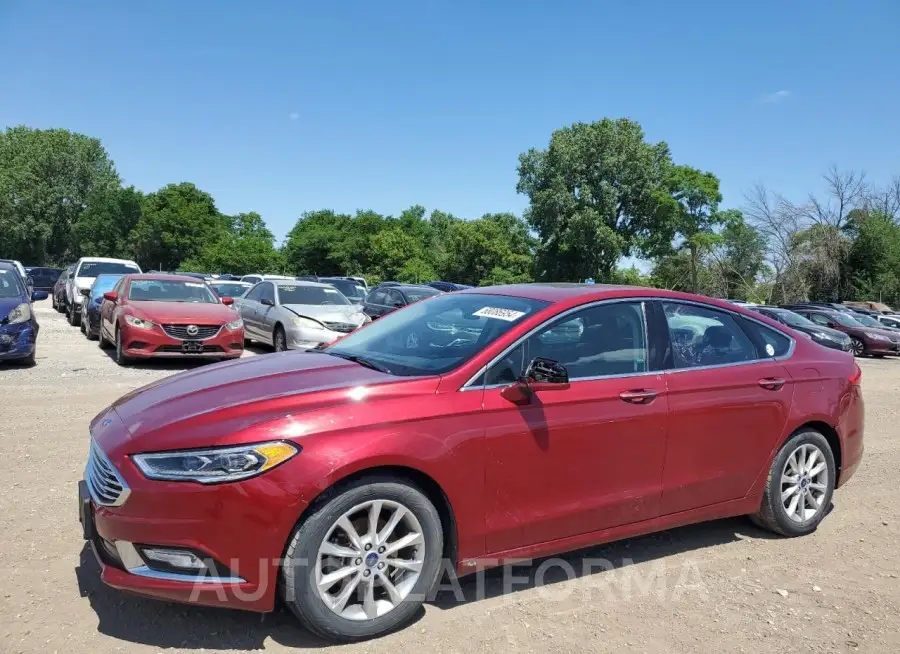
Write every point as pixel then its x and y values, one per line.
pixel 44 278
pixel 826 306
pixel 820 334
pixel 348 287
pixel 448 287
pixel 383 300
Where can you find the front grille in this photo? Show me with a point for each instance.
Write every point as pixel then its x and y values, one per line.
pixel 181 332
pixel 343 327
pixel 104 483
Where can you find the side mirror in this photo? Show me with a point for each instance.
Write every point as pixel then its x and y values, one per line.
pixel 541 375
pixel 112 296
pixel 86 292
pixel 227 301
pixel 832 324
pixel 71 275
pixel 37 296
pixel 266 301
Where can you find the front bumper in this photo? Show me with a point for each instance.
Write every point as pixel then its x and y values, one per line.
pixel 240 528
pixel 303 338
pixel 18 341
pixel 155 343
pixel 880 347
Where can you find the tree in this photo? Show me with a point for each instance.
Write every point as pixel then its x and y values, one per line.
pixel 874 257
pixel 248 246
pixel 593 193
pixel 177 221
pixel 739 259
pixel 46 178
pixel 104 227
pixel 692 214
pixel 400 256
pixel 495 249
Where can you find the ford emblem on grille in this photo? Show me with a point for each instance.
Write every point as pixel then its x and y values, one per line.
pixel 192 330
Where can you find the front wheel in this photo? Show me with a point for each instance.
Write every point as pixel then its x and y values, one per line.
pixel 72 316
pixel 857 347
pixel 279 339
pixel 121 359
pixel 362 564
pixel 800 485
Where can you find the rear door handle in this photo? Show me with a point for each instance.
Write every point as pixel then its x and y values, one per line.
pixel 771 383
pixel 641 396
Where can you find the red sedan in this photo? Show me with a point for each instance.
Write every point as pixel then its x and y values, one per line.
pixel 152 316
pixel 465 430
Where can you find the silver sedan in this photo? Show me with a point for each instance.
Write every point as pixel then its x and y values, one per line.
pixel 295 315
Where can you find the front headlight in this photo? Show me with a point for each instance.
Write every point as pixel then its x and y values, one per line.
pixel 360 318
pixel 825 337
pixel 140 323
pixel 215 465
pixel 21 313
pixel 878 337
pixel 307 323
pixel 235 324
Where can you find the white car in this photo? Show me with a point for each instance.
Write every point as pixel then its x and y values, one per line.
pixel 83 275
pixel 256 279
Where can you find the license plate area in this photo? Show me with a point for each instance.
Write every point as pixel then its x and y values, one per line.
pixel 192 347
pixel 86 512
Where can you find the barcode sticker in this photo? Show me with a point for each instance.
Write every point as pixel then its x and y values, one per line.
pixel 194 284
pixel 508 315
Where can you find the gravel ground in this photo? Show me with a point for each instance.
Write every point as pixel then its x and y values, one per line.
pixel 721 586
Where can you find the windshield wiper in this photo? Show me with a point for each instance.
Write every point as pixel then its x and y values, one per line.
pixel 368 363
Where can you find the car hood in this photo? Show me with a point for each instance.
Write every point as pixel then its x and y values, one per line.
pixel 183 312
pixel 328 313
pixel 834 333
pixel 212 405
pixel 7 304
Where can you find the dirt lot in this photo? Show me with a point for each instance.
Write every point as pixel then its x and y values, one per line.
pixel 722 586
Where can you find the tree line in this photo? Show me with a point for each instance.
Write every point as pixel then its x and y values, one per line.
pixel 597 193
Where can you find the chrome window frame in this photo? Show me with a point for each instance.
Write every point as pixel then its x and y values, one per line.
pixel 643 300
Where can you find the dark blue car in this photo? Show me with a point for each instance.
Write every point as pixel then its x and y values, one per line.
pixel 90 309
pixel 18 327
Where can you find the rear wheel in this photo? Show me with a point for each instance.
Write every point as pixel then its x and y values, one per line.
pixel 362 563
pixel 800 485
pixel 102 343
pixel 83 324
pixel 857 347
pixel 73 315
pixel 279 339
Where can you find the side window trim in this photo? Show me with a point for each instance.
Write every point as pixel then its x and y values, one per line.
pixel 737 318
pixel 481 372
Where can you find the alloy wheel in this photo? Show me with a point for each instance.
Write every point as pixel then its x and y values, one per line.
pixel 370 560
pixel 280 341
pixel 804 483
pixel 857 347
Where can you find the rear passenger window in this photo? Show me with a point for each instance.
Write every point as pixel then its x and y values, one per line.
pixel 774 343
pixel 706 337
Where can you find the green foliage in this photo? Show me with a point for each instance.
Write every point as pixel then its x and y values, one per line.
pixel 104 227
pixel 594 193
pixel 874 258
pixel 247 246
pixel 177 221
pixel 46 178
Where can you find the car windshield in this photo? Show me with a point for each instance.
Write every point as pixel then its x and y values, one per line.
pixel 10 286
pixel 868 321
pixel 104 284
pixel 156 290
pixel 350 289
pixel 845 320
pixel 416 294
pixel 94 268
pixel 229 290
pixel 302 294
pixel 434 337
pixel 793 319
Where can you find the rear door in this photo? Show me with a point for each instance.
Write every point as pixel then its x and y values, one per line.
pixel 729 399
pixel 265 310
pixel 248 307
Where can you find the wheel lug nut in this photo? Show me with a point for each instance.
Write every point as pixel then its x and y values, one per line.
pixel 366 573
pixel 358 561
pixel 381 566
pixel 381 550
pixel 368 546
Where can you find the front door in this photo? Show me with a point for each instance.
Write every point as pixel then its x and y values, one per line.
pixel 249 307
pixel 586 458
pixel 729 400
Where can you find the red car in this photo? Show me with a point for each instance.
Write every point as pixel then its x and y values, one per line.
pixel 464 431
pixel 152 316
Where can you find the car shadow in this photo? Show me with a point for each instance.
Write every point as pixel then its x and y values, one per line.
pixel 161 624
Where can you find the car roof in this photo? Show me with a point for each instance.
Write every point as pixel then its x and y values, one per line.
pixel 297 282
pixel 229 281
pixel 104 260
pixel 7 265
pixel 161 277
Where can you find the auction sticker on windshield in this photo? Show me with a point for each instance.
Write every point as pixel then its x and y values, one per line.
pixel 194 284
pixel 508 315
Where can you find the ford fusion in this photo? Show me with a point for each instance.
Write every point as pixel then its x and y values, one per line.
pixel 151 316
pixel 464 430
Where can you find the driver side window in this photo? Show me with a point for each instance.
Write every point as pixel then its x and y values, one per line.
pixel 267 292
pixel 600 341
pixel 819 319
pixel 254 293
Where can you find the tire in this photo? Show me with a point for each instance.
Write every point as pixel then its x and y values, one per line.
pixel 102 343
pixel 73 318
pixel 302 560
pixel 773 514
pixel 53 302
pixel 121 359
pixel 81 325
pixel 857 347
pixel 60 307
pixel 279 339
pixel 247 343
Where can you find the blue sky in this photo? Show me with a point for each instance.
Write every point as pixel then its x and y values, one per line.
pixel 284 107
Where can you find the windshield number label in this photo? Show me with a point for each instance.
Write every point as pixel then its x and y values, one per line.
pixel 508 315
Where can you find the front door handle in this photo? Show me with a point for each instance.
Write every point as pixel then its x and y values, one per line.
pixel 771 383
pixel 641 396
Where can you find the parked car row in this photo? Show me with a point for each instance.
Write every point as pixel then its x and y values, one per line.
pixel 18 326
pixel 476 426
